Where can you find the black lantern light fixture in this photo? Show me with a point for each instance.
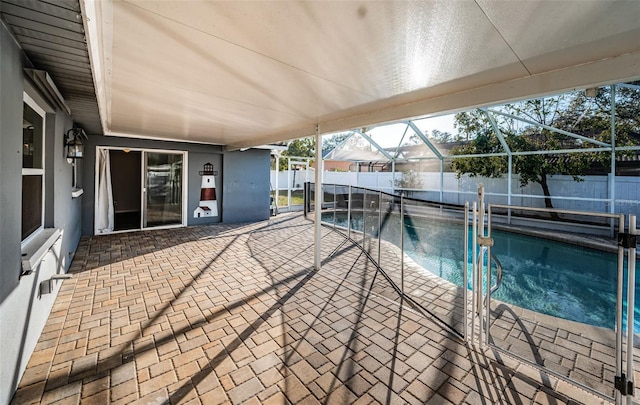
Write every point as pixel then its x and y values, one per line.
pixel 74 143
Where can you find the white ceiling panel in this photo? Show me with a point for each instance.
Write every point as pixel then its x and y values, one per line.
pixel 548 35
pixel 242 73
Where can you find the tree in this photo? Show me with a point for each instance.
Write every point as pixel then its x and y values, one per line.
pixel 574 112
pixel 442 136
pixel 329 143
pixel 303 147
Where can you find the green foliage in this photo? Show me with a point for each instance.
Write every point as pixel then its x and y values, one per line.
pixel 444 136
pixel 329 143
pixel 575 113
pixel 303 147
pixel 485 142
pixel 410 179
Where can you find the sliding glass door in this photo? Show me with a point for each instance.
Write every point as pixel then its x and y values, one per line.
pixel 139 189
pixel 163 189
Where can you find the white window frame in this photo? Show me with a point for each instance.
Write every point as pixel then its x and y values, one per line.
pixel 35 172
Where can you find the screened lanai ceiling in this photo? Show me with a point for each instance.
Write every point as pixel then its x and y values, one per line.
pixel 245 73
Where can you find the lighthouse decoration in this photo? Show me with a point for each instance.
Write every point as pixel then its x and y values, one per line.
pixel 208 205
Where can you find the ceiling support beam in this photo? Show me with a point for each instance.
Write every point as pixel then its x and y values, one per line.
pixel 505 146
pixel 628 86
pixel 547 127
pixel 340 144
pixel 499 134
pixel 397 152
pixel 425 139
pixel 374 144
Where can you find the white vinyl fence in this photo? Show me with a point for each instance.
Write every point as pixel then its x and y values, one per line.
pixel 592 194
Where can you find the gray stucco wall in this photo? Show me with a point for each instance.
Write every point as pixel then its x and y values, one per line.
pixel 246 186
pixel 10 161
pixel 23 312
pixel 242 183
pixel 197 156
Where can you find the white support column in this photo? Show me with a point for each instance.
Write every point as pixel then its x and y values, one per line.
pixel 612 179
pixel 289 183
pixel 277 193
pixel 317 259
pixel 393 176
pixel 510 177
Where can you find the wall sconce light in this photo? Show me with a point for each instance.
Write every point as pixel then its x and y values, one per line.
pixel 74 143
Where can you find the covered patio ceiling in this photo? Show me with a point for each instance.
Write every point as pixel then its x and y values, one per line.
pixel 247 73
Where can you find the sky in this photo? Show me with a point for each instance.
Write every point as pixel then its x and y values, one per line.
pixel 390 135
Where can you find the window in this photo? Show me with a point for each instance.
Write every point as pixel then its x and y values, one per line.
pixel 32 168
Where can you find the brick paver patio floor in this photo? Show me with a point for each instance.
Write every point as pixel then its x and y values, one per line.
pixel 235 314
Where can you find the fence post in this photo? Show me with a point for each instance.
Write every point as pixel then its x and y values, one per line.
pixel 465 269
pixel 480 260
pixel 474 268
pixel 306 190
pixel 364 227
pixel 349 214
pixel 619 293
pixel 305 198
pixel 379 224
pixel 335 205
pixel 402 243
pixel 631 263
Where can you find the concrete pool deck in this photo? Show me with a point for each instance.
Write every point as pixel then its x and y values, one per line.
pixel 235 314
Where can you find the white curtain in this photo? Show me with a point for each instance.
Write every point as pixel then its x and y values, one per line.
pixel 104 206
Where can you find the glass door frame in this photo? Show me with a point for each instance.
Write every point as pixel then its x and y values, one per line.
pixel 143 193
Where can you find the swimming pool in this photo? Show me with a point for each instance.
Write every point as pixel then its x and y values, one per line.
pixel 546 276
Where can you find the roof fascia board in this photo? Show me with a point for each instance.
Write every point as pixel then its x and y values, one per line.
pixel 158 138
pixel 99 41
pixel 46 85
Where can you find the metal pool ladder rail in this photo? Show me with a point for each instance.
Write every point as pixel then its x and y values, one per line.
pixel 498 273
pixel 494 258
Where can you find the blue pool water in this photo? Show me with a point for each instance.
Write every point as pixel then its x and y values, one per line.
pixel 550 277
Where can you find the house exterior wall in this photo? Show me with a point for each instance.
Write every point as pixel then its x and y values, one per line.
pixel 23 312
pixel 246 186
pixel 197 156
pixel 235 203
